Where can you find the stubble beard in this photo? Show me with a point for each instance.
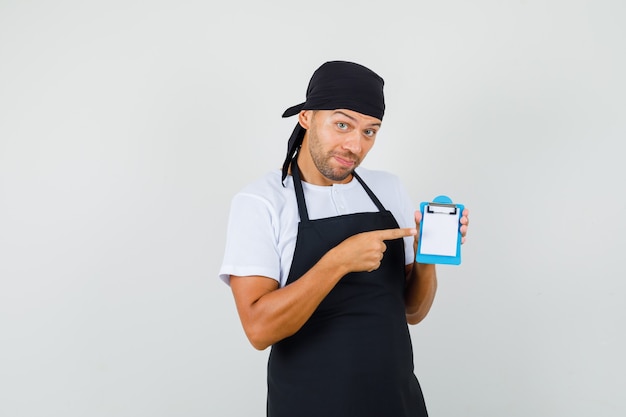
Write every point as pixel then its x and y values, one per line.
pixel 322 160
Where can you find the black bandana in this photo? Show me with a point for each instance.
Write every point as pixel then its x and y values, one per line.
pixel 337 85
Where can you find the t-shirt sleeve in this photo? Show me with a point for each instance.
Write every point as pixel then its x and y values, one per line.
pixel 251 239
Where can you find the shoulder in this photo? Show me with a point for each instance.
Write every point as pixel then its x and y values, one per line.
pixel 267 194
pixel 377 179
pixel 388 187
pixel 270 182
pixel 269 187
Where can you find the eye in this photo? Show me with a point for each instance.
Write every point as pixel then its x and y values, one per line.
pixel 370 132
pixel 342 125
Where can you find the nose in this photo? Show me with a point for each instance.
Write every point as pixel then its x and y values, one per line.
pixel 352 142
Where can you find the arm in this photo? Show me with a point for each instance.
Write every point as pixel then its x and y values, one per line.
pixel 421 286
pixel 269 314
pixel 421 279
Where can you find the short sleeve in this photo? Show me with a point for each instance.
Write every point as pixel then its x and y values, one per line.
pixel 251 239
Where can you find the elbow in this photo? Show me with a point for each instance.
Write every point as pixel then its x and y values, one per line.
pixel 416 316
pixel 257 338
pixel 413 319
pixel 258 344
pixel 263 337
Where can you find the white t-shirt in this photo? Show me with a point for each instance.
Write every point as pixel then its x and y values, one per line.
pixel 263 220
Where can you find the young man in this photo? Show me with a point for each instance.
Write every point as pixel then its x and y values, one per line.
pixel 321 262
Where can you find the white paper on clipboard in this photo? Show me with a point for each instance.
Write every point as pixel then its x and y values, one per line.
pixel 440 230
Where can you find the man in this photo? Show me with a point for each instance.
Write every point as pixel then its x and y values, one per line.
pixel 321 262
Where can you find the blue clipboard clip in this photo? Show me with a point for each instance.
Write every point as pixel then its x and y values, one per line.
pixel 440 232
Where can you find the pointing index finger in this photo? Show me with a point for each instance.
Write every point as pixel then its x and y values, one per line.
pixel 391 234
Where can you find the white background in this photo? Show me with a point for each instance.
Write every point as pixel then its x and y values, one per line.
pixel 127 126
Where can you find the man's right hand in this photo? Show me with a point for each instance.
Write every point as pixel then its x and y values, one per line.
pixel 364 251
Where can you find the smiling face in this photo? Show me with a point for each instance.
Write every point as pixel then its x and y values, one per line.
pixel 335 143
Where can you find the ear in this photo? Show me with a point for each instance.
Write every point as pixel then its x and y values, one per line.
pixel 305 118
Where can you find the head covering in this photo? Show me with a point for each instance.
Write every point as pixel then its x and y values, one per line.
pixel 337 85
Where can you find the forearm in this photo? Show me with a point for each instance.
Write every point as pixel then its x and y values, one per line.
pixel 279 313
pixel 421 287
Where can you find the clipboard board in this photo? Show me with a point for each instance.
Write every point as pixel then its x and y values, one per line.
pixel 440 234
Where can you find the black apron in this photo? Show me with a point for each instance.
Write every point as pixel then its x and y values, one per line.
pixel 353 357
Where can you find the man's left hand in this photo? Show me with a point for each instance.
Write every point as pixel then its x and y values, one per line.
pixel 463 229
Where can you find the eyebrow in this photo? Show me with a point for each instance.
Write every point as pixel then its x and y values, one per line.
pixel 353 118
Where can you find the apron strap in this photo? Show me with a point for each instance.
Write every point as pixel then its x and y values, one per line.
pixel 297 184
pixel 369 192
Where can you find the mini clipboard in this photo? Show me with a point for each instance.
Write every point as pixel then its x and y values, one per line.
pixel 440 234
